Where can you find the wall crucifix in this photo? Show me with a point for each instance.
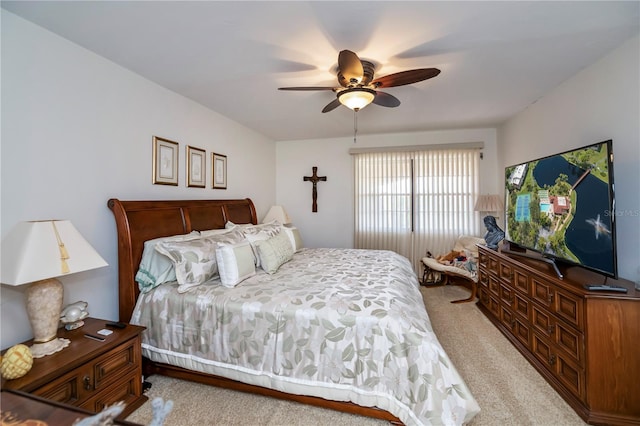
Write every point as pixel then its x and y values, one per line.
pixel 314 178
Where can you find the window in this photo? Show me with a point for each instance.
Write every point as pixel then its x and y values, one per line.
pixel 414 201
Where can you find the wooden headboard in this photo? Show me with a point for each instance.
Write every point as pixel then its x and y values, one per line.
pixel 139 221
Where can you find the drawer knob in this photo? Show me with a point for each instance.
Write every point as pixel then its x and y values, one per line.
pixel 551 329
pixel 86 380
pixel 552 359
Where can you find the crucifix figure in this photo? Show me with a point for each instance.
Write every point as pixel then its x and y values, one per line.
pixel 315 179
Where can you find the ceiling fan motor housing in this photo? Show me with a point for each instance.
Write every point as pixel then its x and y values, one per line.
pixel 368 68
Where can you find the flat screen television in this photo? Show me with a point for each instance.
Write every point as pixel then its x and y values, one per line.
pixel 562 206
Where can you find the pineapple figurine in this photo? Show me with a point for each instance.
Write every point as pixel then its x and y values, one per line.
pixel 17 362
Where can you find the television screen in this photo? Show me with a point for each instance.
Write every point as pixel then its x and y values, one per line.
pixel 563 207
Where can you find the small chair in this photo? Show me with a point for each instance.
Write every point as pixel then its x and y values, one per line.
pixel 466 270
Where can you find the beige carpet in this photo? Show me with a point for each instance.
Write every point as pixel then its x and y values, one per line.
pixel 508 390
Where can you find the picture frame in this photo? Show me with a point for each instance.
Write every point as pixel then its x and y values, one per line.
pixel 165 161
pixel 219 167
pixel 196 167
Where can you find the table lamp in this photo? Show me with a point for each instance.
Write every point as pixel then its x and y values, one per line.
pixel 489 203
pixel 277 213
pixel 36 253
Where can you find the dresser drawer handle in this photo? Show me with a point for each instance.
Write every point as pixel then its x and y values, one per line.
pixel 550 297
pixel 551 329
pixel 86 380
pixel 552 359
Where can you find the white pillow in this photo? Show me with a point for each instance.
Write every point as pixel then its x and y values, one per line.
pixel 155 268
pixel 235 263
pixel 274 252
pixel 294 237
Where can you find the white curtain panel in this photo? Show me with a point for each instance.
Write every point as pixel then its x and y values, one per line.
pixel 411 202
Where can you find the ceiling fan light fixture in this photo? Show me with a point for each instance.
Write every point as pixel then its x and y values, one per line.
pixel 356 98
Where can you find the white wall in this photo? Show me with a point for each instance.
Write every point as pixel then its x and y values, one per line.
pixel 77 130
pixel 332 225
pixel 599 103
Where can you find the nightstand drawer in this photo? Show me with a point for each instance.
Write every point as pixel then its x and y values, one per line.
pixel 122 391
pixel 70 389
pixel 66 390
pixel 116 364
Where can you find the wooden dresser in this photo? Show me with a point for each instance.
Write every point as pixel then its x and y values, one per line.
pixel 89 374
pixel 586 344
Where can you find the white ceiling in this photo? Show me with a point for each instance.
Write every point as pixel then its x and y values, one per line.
pixel 496 57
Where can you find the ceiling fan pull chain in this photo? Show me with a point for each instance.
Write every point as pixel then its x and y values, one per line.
pixel 355 125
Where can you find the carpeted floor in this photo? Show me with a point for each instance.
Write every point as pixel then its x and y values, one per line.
pixel 507 388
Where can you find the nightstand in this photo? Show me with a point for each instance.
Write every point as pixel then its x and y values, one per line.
pixel 88 373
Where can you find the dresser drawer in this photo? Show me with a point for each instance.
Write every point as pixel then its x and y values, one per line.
pixel 520 281
pixel 522 306
pixel 494 285
pixel 570 308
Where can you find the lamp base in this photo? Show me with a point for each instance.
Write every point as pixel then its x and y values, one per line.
pixel 38 350
pixel 44 303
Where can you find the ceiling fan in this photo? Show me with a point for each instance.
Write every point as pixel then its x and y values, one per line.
pixel 359 89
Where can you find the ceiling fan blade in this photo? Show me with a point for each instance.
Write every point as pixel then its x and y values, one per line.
pixel 405 77
pixel 350 66
pixel 306 88
pixel 332 105
pixel 386 100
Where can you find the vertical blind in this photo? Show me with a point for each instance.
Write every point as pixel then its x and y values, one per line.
pixel 414 201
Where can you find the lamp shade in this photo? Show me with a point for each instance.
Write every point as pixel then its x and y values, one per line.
pixel 277 213
pixel 489 203
pixel 38 250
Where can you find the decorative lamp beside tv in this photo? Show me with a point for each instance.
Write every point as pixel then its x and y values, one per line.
pixel 36 253
pixel 489 203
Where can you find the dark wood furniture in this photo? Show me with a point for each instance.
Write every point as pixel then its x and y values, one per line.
pixel 586 344
pixel 139 221
pixel 89 374
pixel 21 408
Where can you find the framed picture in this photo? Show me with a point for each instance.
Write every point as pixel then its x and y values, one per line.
pixel 165 161
pixel 219 171
pixel 196 169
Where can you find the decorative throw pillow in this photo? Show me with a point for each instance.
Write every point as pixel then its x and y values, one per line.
pixel 272 228
pixel 294 237
pixel 195 260
pixel 156 268
pixel 253 239
pixel 235 263
pixel 212 232
pixel 274 252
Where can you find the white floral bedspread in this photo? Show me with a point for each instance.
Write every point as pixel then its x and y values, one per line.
pixel 342 324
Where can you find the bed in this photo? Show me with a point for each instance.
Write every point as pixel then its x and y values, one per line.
pixel 338 328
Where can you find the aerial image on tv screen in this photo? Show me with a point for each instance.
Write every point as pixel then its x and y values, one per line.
pixel 562 206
